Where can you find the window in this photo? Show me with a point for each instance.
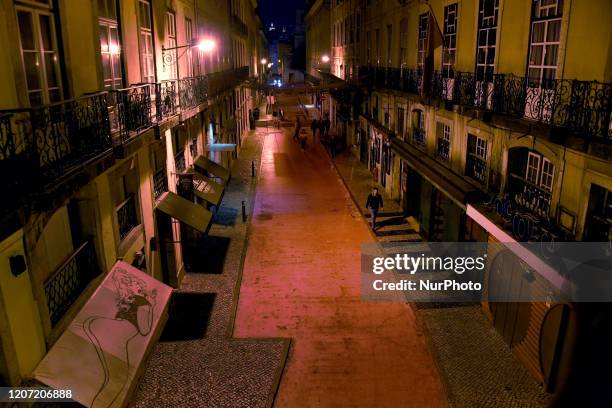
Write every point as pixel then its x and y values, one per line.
pixel 368 47
pixel 545 42
pixel 443 133
pixel 188 53
pixel 449 49
pixel 418 127
pixel 170 39
pixel 39 54
pixel 422 41
pixel 403 41
pixel 377 46
pixel 476 160
pixel 487 39
pixel 110 45
pixel 147 66
pixel 400 122
pixel 540 171
pixel 389 42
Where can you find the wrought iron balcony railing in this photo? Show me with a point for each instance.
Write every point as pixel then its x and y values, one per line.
pixel 529 196
pixel 126 216
pixel 221 81
pixel 68 281
pixel 192 91
pixel 582 107
pixel 166 99
pixel 418 136
pixel 160 182
pixel 40 144
pixel 133 108
pixel 179 162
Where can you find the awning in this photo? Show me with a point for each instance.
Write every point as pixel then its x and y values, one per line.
pixel 454 186
pixel 185 211
pixel 204 164
pixel 221 147
pixel 208 190
pixel 99 334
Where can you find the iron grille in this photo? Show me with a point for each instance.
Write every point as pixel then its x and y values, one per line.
pixel 65 285
pixel 126 216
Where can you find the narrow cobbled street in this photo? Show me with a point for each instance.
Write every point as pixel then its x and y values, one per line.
pixel 301 281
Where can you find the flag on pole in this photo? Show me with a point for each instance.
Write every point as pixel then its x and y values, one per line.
pixel 435 38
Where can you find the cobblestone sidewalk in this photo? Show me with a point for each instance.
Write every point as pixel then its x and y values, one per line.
pixel 478 368
pixel 218 371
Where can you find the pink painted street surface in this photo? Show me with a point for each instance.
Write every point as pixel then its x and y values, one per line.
pixel 301 280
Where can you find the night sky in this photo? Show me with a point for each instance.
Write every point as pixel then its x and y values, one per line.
pixel 281 12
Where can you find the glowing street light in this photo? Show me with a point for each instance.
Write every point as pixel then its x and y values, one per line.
pixel 206 45
pixel 264 61
pixel 325 59
pixel 270 64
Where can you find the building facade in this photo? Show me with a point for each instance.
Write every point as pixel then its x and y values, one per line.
pixel 487 120
pixel 113 117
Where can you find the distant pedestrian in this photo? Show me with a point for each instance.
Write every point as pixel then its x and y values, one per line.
pixel 296 133
pixel 326 125
pixel 374 204
pixel 314 126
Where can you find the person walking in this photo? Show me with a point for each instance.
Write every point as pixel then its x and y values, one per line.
pixel 374 204
pixel 296 134
pixel 314 125
pixel 325 125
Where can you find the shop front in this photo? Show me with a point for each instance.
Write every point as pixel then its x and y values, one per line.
pixel 435 197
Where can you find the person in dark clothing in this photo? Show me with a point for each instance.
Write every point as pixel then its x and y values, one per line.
pixel 325 124
pixel 314 125
pixel 374 204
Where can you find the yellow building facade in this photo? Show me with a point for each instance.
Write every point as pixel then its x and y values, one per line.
pixel 106 107
pixel 469 104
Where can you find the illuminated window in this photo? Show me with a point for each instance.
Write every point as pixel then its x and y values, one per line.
pixel 170 42
pixel 146 41
pixel 110 46
pixel 39 54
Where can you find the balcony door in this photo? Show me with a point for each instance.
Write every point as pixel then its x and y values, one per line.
pixel 544 45
pixel 39 52
pixel 486 50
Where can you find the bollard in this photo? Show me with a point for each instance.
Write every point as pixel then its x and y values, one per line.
pixel 244 217
pixel 253 168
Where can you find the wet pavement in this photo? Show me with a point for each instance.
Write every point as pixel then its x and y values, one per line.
pixel 301 281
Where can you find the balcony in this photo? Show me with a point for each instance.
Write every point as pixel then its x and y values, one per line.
pixel 47 143
pixel 529 196
pixel 418 136
pixel 127 217
pixel 219 82
pixel 583 108
pixel 166 99
pixel 131 111
pixel 65 285
pixel 160 182
pixel 179 162
pixel 192 91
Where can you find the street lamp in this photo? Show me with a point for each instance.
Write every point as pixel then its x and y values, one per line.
pixel 205 45
pixel 264 61
pixel 325 59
